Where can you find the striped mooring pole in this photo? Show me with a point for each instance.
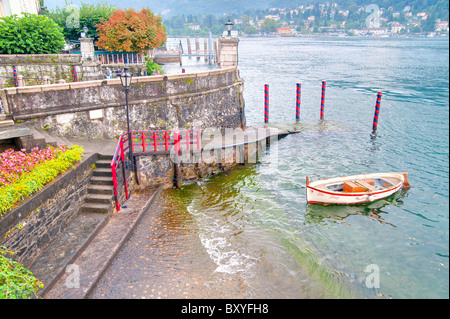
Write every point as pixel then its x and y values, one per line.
pixel 74 72
pixel 377 113
pixel 298 101
pixel 322 100
pixel 16 82
pixel 266 103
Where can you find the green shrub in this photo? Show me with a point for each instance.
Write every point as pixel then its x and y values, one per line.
pixel 30 34
pixel 35 180
pixel 152 67
pixel 16 282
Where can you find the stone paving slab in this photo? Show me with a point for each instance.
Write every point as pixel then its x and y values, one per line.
pixel 87 269
pixel 52 262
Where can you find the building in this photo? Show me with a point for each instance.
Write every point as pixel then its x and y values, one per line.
pixel 286 30
pixel 441 26
pixel 273 17
pixel 194 26
pixel 397 27
pixel 372 31
pixel 10 7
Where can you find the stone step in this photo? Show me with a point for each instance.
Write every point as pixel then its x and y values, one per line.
pixel 5 117
pixel 101 180
pixel 98 198
pixel 100 189
pixel 106 172
pixel 6 123
pixel 61 140
pixel 53 139
pixel 98 208
pixel 103 164
pixel 103 157
pixel 39 139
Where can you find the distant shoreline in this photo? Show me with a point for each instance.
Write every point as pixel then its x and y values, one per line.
pixel 311 35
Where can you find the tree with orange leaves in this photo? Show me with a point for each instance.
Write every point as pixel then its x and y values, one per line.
pixel 131 31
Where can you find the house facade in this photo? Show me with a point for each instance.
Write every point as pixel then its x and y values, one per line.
pixel 10 7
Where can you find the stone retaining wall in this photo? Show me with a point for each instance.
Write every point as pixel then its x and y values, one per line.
pixel 96 109
pixel 35 67
pixel 31 226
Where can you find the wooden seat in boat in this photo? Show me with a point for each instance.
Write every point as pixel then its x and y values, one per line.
pixel 358 186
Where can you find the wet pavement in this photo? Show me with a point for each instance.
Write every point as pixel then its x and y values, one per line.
pixel 164 259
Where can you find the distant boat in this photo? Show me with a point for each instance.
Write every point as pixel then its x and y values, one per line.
pixel 356 189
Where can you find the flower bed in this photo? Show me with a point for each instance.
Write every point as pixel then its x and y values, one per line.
pixel 22 174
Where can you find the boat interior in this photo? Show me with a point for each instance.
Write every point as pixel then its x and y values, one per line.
pixel 360 185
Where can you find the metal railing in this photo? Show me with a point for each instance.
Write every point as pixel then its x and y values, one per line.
pixel 150 142
pixel 119 58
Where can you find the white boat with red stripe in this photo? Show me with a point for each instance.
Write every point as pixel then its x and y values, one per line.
pixel 356 189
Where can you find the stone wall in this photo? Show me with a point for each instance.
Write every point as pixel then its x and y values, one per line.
pixel 96 109
pixel 214 157
pixel 30 227
pixel 35 67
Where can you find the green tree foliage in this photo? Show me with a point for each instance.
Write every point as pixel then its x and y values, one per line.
pixel 30 34
pixel 72 18
pixel 269 25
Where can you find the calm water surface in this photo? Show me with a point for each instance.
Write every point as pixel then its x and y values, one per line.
pixel 254 221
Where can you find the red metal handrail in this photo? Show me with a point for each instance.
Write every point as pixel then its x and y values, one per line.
pixel 149 138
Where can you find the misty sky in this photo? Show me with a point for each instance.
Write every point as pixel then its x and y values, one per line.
pixel 137 4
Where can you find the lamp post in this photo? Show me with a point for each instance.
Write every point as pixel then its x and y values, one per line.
pixel 229 26
pixel 125 78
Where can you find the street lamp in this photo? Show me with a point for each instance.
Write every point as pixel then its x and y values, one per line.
pixel 229 26
pixel 125 78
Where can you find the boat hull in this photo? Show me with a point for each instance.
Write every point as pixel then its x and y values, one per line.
pixel 316 194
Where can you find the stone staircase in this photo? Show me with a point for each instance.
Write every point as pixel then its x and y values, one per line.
pixel 93 216
pixel 100 189
pixel 6 120
pixel 41 139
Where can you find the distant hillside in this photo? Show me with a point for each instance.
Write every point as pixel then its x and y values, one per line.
pixel 174 7
pixel 217 7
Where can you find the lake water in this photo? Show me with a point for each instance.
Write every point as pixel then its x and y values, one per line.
pixel 254 222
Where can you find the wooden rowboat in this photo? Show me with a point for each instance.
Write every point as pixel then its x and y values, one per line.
pixel 356 189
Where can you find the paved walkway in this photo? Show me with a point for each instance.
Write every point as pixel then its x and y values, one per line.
pixel 89 266
pixel 103 146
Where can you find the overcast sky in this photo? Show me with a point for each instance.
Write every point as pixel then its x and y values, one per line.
pixel 137 4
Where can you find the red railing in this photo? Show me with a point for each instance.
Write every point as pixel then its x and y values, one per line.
pixel 150 142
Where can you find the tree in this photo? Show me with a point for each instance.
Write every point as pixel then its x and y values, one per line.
pixel 131 31
pixel 269 25
pixel 30 34
pixel 72 18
